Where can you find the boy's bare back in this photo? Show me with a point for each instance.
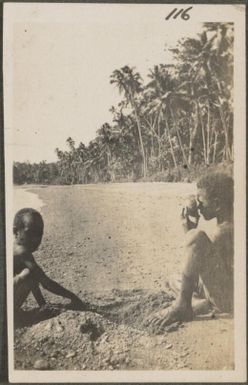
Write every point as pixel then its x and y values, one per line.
pixel 217 273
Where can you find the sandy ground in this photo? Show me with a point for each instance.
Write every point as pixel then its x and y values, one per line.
pixel 116 246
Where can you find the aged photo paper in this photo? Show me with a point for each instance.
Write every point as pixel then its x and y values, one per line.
pixel 125 148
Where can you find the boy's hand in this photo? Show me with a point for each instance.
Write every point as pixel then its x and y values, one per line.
pixel 22 276
pixel 186 222
pixel 77 304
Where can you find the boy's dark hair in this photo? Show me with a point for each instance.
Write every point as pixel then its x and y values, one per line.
pixel 29 217
pixel 218 185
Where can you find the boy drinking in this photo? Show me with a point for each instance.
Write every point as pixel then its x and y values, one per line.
pixel 209 262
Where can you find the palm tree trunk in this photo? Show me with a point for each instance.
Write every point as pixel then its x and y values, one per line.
pixel 215 145
pixel 227 151
pixel 193 132
pixel 227 148
pixel 140 137
pixel 179 139
pixel 203 140
pixel 170 142
pixel 208 133
pixel 152 146
pixel 190 155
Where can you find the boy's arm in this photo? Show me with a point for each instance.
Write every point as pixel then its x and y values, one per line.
pixel 26 274
pixel 38 294
pixel 54 287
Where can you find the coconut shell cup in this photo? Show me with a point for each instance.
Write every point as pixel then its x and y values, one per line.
pixel 192 207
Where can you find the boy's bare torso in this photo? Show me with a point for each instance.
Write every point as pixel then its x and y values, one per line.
pixel 217 273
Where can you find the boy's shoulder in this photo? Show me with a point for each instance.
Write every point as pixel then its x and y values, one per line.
pixel 23 260
pixel 224 232
pixel 225 228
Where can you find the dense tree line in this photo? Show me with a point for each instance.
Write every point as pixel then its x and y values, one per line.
pixel 180 119
pixel 38 173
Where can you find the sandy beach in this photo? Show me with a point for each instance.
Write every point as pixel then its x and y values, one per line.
pixel 116 245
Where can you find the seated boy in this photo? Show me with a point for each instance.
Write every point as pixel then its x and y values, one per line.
pixel 28 276
pixel 209 262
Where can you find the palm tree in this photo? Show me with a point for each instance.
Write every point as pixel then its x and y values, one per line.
pixel 165 103
pixel 205 72
pixel 125 147
pixel 129 82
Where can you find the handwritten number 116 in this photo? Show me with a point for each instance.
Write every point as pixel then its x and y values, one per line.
pixel 182 12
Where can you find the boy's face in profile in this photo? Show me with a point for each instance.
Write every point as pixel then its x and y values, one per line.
pixel 208 207
pixel 30 235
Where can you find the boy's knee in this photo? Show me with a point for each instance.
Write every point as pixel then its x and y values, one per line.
pixel 197 238
pixel 198 248
pixel 21 292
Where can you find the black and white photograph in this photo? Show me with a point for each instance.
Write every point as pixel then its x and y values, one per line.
pixel 124 129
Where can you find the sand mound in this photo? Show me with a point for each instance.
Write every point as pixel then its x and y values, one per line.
pixel 88 340
pixel 132 307
pixel 76 340
pixel 72 340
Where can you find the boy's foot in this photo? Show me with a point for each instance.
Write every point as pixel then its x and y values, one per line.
pixel 201 306
pixel 179 313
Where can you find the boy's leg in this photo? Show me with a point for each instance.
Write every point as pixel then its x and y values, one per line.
pixel 21 293
pixel 22 288
pixel 175 282
pixel 198 249
pixel 200 299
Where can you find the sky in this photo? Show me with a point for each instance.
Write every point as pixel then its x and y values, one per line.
pixel 59 63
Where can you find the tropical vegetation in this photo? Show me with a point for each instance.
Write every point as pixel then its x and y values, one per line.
pixel 169 127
